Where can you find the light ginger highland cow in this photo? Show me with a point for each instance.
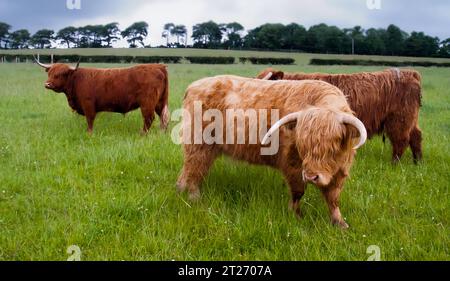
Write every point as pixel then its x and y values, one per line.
pixel 317 134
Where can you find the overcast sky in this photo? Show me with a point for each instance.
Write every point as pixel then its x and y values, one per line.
pixel 432 17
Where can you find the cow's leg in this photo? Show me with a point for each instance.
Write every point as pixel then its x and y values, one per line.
pixel 89 112
pixel 297 188
pixel 415 142
pixel 399 147
pixel 90 121
pixel 148 114
pixel 398 134
pixel 331 194
pixel 197 162
pixel 164 116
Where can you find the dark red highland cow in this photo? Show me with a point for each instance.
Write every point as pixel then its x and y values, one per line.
pixel 92 90
pixel 385 101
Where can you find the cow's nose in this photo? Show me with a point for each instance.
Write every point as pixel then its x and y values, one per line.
pixel 48 85
pixel 310 177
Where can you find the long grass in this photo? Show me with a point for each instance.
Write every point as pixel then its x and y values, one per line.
pixel 113 193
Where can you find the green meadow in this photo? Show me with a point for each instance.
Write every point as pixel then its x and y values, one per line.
pixel 113 193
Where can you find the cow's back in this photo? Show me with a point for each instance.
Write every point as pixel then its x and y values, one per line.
pixel 234 92
pixel 225 93
pixel 371 95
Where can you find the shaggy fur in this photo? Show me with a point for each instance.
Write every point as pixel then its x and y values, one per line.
pixel 385 101
pixel 318 144
pixel 90 90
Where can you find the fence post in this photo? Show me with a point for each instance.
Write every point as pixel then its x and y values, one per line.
pixel 51 58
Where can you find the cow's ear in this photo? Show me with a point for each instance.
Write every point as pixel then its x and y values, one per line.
pixel 47 69
pixel 291 126
pixel 351 135
pixel 278 75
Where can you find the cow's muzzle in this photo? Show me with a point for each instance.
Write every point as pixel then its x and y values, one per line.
pixel 48 86
pixel 312 178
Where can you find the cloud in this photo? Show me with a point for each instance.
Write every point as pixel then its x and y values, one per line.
pixel 413 15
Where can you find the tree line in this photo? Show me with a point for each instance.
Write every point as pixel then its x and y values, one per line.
pixel 89 36
pixel 320 38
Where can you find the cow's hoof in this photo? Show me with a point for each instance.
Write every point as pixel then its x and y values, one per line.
pixel 341 224
pixel 181 188
pixel 298 214
pixel 194 196
pixel 294 207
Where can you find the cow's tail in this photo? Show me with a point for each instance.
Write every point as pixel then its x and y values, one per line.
pixel 164 103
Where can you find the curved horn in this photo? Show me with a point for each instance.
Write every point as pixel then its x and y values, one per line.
pixel 77 65
pixel 286 119
pixel 268 76
pixel 46 66
pixel 355 122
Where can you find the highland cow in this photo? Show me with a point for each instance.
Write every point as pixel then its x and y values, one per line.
pixel 92 90
pixel 387 102
pixel 318 134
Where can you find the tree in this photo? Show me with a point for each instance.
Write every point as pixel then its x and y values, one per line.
pixel 374 41
pixel 266 36
pixel 4 33
pixel 110 33
pixel 68 35
pixel 42 39
pixel 86 36
pixel 444 50
pixel 207 35
pixel 136 33
pixel 419 44
pixel 313 38
pixel 394 40
pixel 294 37
pixel 94 35
pixel 322 38
pixel 356 34
pixel 336 42
pixel 167 32
pixel 90 36
pixel 20 39
pixel 233 34
pixel 179 31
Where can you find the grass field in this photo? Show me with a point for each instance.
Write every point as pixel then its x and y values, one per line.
pixel 113 193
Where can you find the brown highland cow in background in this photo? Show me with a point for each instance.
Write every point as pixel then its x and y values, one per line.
pixel 385 101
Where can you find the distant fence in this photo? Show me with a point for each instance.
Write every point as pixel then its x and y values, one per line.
pixel 4 58
pixel 316 61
